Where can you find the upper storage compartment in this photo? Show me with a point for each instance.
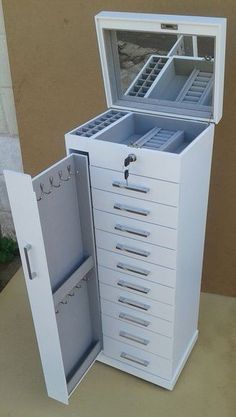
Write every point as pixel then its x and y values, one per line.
pixel 138 130
pixel 163 64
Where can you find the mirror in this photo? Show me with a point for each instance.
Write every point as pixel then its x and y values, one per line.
pixel 161 69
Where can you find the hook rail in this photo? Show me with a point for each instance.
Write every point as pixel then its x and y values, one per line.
pixel 68 289
pixel 55 183
pixel 66 299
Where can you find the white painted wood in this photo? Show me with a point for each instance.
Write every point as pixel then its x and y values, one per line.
pixel 157 311
pixel 154 364
pixel 143 69
pixel 28 229
pixel 138 318
pixel 154 234
pixel 139 303
pixel 183 360
pixel 178 47
pixel 153 299
pixel 154 379
pixel 195 47
pixel 157 191
pixel 203 25
pixel 73 280
pixel 139 373
pixel 84 367
pixel 139 338
pixel 191 234
pixel 132 207
pixel 156 273
pixel 168 63
pixel 66 354
pixel 129 283
pixel 135 249
pixel 189 25
pixel 108 155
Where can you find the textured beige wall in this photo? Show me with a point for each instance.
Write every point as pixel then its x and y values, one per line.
pixel 57 85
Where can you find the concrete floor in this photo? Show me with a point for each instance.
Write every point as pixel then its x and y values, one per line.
pixel 8 270
pixel 206 387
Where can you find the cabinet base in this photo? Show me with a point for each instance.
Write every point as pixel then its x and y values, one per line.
pixel 154 379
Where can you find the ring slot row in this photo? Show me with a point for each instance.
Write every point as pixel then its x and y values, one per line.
pixel 160 139
pixel 100 123
pixel 147 76
pixel 197 88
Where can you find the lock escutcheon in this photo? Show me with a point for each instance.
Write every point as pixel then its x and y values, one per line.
pixel 130 158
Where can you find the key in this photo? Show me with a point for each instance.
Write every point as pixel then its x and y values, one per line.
pixel 126 174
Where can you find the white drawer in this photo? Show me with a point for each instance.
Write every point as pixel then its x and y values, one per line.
pixel 140 187
pixel 145 232
pixel 135 267
pixel 135 208
pixel 136 302
pixel 137 318
pixel 105 154
pixel 137 285
pixel 140 338
pixel 135 249
pixel 137 358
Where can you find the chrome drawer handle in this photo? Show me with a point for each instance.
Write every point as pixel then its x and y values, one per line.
pixel 134 338
pixel 134 359
pixel 130 209
pixel 131 230
pixel 134 303
pixel 134 269
pixel 31 274
pixel 132 187
pixel 134 287
pixel 133 319
pixel 135 251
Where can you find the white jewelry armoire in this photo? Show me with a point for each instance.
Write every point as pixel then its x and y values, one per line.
pixel 112 236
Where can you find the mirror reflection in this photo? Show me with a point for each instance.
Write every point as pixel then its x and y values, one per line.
pixel 173 70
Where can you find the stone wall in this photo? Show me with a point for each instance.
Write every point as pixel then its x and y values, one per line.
pixel 10 158
pixel 10 155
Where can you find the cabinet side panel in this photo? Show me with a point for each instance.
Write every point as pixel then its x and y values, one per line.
pixel 28 229
pixel 194 188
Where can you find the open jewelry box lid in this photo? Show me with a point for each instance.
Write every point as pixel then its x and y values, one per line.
pixel 163 64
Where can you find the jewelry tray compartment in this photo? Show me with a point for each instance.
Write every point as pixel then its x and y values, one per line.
pixel 143 131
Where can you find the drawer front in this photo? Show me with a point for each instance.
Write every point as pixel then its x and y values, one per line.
pixel 140 338
pixel 137 318
pixel 105 154
pixel 136 302
pixel 139 187
pixel 135 208
pixel 137 285
pixel 137 358
pixel 135 249
pixel 135 267
pixel 127 227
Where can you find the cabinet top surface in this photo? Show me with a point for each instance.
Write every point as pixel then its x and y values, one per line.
pixel 163 64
